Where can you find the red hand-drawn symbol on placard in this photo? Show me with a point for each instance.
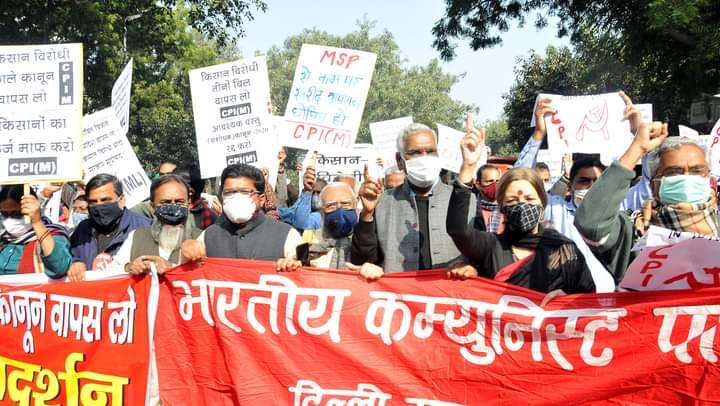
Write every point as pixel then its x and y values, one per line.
pixel 692 281
pixel 595 121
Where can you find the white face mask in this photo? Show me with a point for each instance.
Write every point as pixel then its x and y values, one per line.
pixel 16 227
pixel 423 172
pixel 579 195
pixel 239 209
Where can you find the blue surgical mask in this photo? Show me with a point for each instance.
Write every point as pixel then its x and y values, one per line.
pixel 78 217
pixel 315 203
pixel 691 189
pixel 340 223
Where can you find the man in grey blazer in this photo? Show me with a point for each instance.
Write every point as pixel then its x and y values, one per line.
pixel 403 229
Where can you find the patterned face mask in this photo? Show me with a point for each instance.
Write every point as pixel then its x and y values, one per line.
pixel 522 217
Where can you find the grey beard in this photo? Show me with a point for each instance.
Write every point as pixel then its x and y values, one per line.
pixel 168 237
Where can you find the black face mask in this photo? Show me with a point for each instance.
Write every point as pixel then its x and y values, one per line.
pixel 106 215
pixel 171 214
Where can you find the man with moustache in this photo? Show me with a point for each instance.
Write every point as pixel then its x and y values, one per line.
pixel 159 243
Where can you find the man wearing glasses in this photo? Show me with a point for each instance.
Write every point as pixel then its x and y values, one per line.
pixel 98 238
pixel 244 231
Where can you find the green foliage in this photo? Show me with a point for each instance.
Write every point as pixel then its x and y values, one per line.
pixel 395 91
pixel 161 39
pixel 497 136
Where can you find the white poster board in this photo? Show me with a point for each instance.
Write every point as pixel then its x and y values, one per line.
pixel 327 97
pixel 589 124
pixel 449 148
pixel 553 161
pixel 330 162
pixel 106 149
pixel 714 143
pixel 41 98
pixel 646 111
pixel 120 96
pixel 384 136
pixel 231 107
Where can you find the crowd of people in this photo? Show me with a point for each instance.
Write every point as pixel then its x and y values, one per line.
pixel 573 236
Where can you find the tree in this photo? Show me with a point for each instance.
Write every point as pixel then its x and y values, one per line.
pixel 395 90
pixel 670 47
pixel 165 39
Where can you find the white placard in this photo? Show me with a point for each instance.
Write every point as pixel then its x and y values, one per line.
pixel 232 116
pixel 384 136
pixel 553 161
pixel 714 143
pixel 589 124
pixel 687 132
pixel 646 111
pixel 688 264
pixel 330 162
pixel 41 101
pixel 106 149
pixel 449 148
pixel 120 96
pixel 327 97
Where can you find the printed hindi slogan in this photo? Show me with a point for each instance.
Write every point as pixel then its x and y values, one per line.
pixel 74 343
pixel 331 162
pixel 106 149
pixel 327 97
pixel 327 337
pixel 41 98
pixel 231 107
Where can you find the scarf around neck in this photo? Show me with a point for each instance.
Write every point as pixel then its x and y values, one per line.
pixel 700 218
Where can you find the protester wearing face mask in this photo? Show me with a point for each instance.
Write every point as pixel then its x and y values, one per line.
pixel 330 248
pixel 487 207
pixel 403 228
pixel 79 211
pixel 526 254
pixel 304 215
pixel 94 242
pixel 560 213
pixel 38 246
pixel 681 185
pixel 159 243
pixel 244 231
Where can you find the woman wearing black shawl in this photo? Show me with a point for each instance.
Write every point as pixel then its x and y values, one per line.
pixel 526 253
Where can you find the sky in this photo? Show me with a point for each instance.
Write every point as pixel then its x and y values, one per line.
pixel 489 73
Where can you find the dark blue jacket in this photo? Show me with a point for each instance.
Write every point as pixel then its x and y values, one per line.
pixel 83 242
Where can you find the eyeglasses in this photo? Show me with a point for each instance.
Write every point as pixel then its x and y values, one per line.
pixel 226 194
pixel 332 206
pixel 696 171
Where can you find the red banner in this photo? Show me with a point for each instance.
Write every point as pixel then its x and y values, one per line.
pixel 241 333
pixel 83 343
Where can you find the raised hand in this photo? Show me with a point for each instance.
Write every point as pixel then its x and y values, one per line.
pixel 309 179
pixel 370 194
pixel 631 113
pixel 542 108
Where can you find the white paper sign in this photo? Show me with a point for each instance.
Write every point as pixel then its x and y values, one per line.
pixel 41 101
pixel 553 161
pixel 120 97
pixel 106 149
pixel 646 111
pixel 449 148
pixel 690 264
pixel 714 141
pixel 384 136
pixel 328 96
pixel 687 132
pixel 331 162
pixel 589 124
pixel 231 109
